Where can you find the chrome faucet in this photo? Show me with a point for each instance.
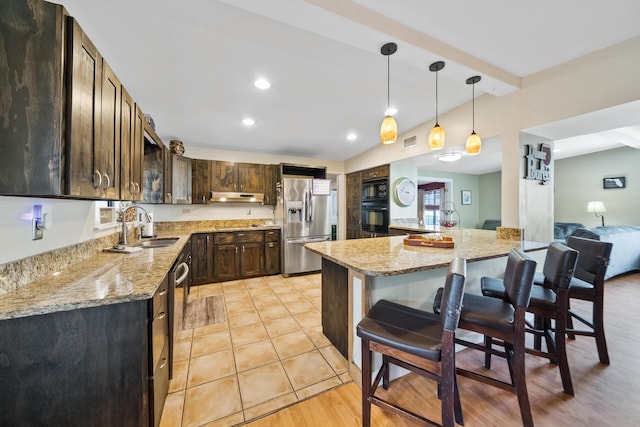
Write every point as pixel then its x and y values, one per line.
pixel 124 221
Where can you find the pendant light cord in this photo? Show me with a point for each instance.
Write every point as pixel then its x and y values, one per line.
pixel 388 80
pixel 473 108
pixel 436 98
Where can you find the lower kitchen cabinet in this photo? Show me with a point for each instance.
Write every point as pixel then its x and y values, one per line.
pixel 202 258
pixel 238 255
pixel 105 365
pixel 271 252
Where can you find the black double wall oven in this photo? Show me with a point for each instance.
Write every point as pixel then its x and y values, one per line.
pixel 375 206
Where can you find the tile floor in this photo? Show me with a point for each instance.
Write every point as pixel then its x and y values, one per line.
pixel 268 354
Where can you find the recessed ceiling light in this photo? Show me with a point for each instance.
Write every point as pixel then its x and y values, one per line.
pixel 391 111
pixel 262 83
pixel 352 136
pixel 248 122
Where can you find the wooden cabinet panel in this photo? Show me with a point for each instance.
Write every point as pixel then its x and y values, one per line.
pixel 127 139
pixel 250 178
pixel 108 148
pixel 31 106
pixel 354 205
pixel 137 153
pixel 378 172
pixel 201 258
pixel 84 178
pixel 251 259
pixel 224 177
pixel 225 260
pixel 270 182
pixel 201 180
pixel 271 257
pixel 335 305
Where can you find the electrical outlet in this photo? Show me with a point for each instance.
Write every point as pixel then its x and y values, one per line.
pixel 186 210
pixel 37 230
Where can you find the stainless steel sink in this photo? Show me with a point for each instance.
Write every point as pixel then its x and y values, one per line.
pixel 159 242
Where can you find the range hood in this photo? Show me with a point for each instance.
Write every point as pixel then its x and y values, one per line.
pixel 233 197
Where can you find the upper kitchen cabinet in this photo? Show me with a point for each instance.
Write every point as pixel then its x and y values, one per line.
pixel 244 177
pixel 153 166
pixel 93 121
pixel 201 173
pixel 178 185
pixel 270 182
pixel 32 47
pixel 131 141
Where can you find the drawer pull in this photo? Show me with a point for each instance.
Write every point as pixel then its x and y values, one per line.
pixel 163 363
pixel 162 292
pixel 161 315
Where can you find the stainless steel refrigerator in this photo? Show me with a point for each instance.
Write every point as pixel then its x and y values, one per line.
pixel 304 212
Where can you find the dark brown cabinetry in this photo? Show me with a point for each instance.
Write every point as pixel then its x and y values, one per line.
pixel 354 205
pixel 202 258
pixel 130 148
pixel 238 255
pixel 201 174
pixel 270 182
pixel 271 252
pixel 105 365
pixel 229 176
pixel 375 173
pixel 93 125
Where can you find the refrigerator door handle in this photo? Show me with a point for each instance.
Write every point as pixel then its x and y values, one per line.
pixel 306 240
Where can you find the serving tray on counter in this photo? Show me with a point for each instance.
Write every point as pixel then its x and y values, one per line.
pixel 420 240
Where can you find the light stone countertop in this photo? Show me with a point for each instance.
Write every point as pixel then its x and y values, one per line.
pixel 106 278
pixel 389 256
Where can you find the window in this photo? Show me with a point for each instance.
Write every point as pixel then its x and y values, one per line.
pixel 431 202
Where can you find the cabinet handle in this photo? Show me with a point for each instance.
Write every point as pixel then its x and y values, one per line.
pixel 136 188
pixel 106 175
pixel 242 248
pixel 161 315
pixel 97 172
pixel 132 187
pixel 240 234
pixel 163 363
pixel 162 292
pixel 236 249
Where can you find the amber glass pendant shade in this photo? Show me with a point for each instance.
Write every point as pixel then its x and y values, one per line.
pixel 388 130
pixel 436 138
pixel 474 144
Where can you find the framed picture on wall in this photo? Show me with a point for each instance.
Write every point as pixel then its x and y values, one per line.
pixel 614 182
pixel 466 197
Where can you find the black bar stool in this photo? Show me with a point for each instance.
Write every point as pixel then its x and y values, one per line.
pixel 501 321
pixel 588 285
pixel 549 301
pixel 416 340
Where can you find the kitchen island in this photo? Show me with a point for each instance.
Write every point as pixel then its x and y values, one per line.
pixel 357 273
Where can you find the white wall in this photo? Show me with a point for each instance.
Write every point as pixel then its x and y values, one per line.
pixel 579 180
pixel 490 201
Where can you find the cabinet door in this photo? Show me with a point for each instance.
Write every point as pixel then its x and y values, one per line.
pixel 251 259
pixel 167 197
pixel 127 140
pixel 251 177
pixel 201 258
pixel 201 171
pixel 84 176
pixel 137 153
pixel 271 258
pixel 108 148
pixel 270 180
pixel 224 177
pixel 225 261
pixel 181 179
pixel 354 205
pixel 31 98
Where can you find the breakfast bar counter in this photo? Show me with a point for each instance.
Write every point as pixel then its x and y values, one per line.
pixel 357 273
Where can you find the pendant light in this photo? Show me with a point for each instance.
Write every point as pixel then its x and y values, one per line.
pixel 474 142
pixel 389 128
pixel 436 136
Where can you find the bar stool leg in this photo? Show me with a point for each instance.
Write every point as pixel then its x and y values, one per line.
pixel 366 383
pixel 598 330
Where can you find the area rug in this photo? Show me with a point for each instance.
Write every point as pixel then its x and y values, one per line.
pixel 203 312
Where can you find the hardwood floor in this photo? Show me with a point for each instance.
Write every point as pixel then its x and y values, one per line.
pixel 604 395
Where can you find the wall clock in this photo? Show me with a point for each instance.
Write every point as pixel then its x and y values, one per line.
pixel 404 191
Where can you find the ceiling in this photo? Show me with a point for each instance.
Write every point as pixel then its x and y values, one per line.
pixel 191 64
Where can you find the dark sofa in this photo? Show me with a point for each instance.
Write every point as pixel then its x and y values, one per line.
pixel 562 230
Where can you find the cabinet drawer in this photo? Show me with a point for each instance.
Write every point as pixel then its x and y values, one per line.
pixel 272 235
pixel 160 298
pixel 222 238
pixel 160 385
pixel 159 335
pixel 249 236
